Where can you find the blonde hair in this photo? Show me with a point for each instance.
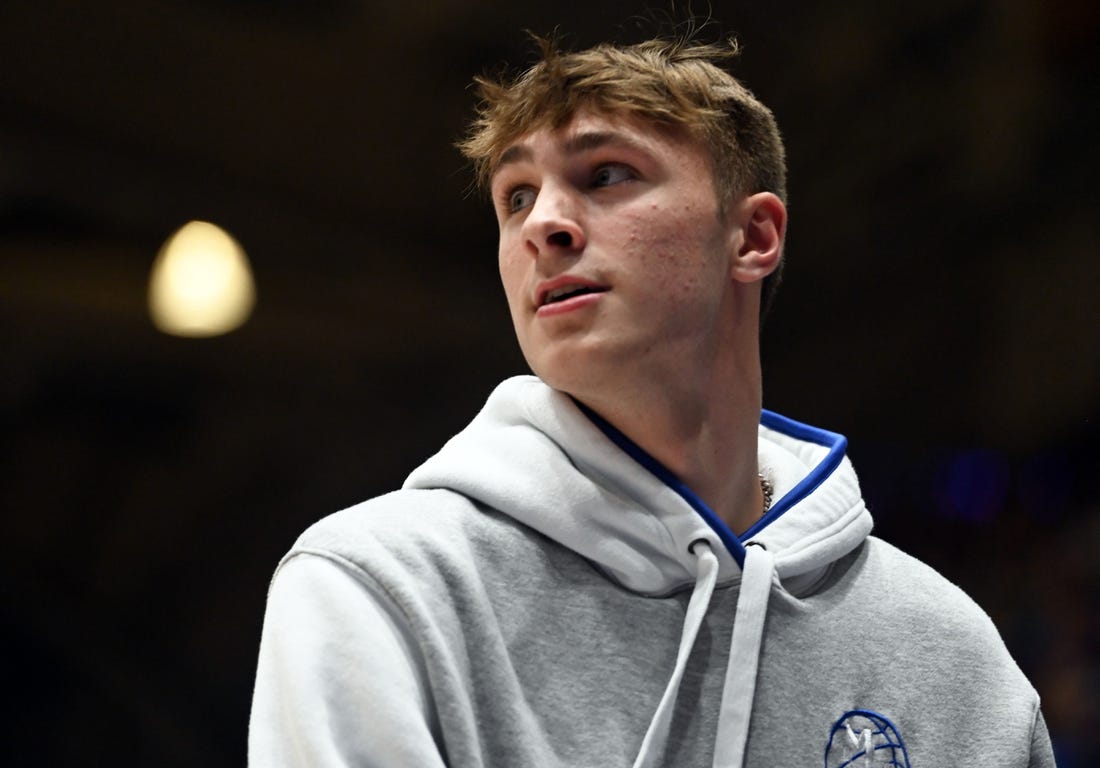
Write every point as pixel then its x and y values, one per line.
pixel 671 82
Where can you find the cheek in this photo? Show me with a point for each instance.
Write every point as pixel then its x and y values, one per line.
pixel 512 280
pixel 678 254
pixel 508 268
pixel 675 250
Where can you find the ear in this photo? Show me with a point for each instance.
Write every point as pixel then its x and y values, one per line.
pixel 763 225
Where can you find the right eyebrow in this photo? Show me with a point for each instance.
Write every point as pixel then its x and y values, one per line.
pixel 585 142
pixel 582 142
pixel 517 153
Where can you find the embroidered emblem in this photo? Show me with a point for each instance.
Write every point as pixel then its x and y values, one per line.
pixel 861 739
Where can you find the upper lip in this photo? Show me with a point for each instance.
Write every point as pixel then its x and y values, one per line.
pixel 561 284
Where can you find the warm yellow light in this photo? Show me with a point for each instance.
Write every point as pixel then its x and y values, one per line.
pixel 201 283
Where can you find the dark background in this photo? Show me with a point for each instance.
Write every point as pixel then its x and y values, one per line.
pixel 940 308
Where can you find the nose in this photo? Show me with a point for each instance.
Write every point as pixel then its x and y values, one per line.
pixel 554 222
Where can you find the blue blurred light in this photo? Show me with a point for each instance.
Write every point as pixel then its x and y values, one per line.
pixel 974 486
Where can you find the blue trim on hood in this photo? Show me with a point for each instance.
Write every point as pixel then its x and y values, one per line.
pixel 836 443
pixel 636 452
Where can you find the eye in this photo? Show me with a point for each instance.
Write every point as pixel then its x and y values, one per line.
pixel 520 198
pixel 612 173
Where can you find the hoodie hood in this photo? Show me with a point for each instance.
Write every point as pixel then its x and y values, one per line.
pixel 554 465
pixel 538 456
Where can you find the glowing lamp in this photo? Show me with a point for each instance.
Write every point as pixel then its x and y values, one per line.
pixel 201 284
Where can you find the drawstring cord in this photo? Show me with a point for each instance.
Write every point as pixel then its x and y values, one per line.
pixel 748 635
pixel 653 745
pixel 744 658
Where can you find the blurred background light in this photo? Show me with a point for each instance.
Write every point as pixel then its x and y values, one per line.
pixel 974 485
pixel 201 283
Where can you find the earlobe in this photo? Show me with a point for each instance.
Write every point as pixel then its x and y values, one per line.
pixel 763 226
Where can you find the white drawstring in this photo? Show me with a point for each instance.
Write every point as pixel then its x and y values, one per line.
pixel 653 745
pixel 735 712
pixel 748 632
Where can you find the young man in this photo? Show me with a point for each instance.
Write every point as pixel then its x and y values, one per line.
pixel 624 560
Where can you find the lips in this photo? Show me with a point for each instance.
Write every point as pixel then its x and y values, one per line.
pixel 564 288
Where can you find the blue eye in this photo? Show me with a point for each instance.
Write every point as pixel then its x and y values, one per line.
pixel 521 198
pixel 613 173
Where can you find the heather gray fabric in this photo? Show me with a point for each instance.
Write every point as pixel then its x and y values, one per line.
pixel 428 628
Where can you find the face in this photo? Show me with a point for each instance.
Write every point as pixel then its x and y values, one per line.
pixel 614 255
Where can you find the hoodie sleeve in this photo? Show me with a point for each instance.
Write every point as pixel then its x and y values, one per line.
pixel 338 682
pixel 1042 753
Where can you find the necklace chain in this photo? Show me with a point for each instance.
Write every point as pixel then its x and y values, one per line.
pixel 767 490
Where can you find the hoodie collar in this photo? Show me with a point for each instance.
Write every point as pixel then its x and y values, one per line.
pixel 537 456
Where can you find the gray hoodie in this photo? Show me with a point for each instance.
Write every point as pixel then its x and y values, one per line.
pixel 543 593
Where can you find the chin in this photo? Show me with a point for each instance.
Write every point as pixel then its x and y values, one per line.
pixel 552 377
pixel 579 366
pixel 553 370
pixel 572 377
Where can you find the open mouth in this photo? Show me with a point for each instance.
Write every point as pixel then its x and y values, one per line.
pixel 568 292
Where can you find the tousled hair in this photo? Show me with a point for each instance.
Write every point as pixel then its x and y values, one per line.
pixel 672 82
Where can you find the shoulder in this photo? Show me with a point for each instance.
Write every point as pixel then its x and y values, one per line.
pixel 918 591
pixel 935 615
pixel 412 520
pixel 430 540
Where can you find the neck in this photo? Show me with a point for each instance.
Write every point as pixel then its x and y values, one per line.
pixel 703 430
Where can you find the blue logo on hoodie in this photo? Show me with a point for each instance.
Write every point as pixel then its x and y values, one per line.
pixel 865 738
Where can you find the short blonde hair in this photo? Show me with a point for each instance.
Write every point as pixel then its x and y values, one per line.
pixel 671 82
